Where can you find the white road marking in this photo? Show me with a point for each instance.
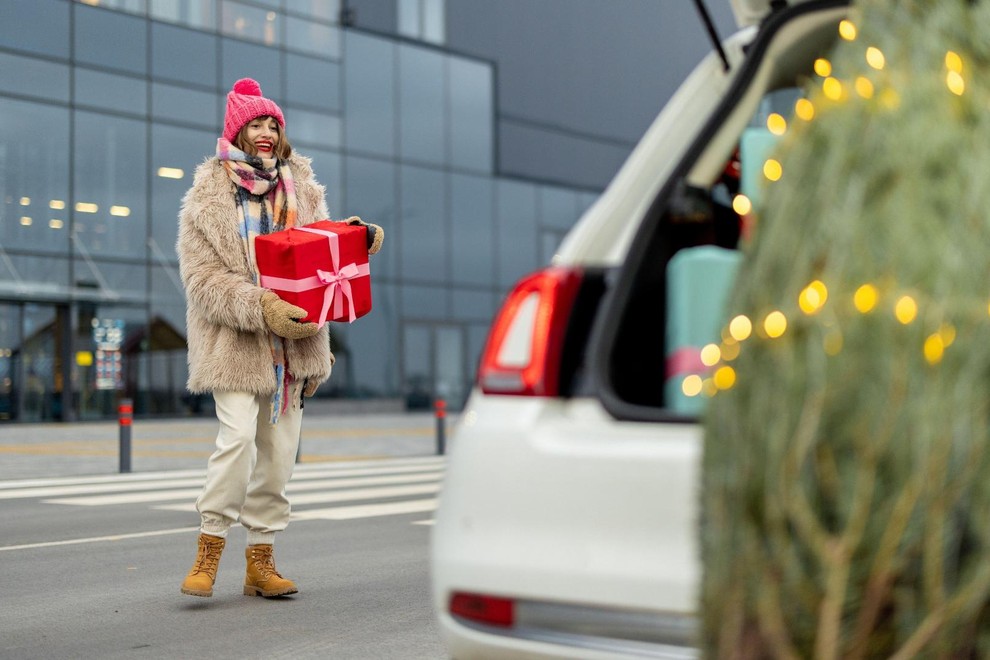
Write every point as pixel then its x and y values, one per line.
pixel 193 493
pixel 98 539
pixel 368 510
pixel 333 496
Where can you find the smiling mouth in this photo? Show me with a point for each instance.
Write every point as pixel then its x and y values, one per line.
pixel 263 145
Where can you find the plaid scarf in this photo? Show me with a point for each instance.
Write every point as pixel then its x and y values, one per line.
pixel 266 202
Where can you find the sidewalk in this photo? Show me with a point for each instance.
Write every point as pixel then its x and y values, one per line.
pixel 329 433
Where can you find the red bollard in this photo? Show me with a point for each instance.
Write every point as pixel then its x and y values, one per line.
pixel 440 411
pixel 125 417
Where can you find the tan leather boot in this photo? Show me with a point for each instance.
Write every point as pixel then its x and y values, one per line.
pixel 203 573
pixel 262 579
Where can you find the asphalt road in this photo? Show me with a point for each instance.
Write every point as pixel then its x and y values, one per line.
pixel 93 566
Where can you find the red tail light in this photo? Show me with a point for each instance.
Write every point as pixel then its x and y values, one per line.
pixel 525 343
pixel 479 608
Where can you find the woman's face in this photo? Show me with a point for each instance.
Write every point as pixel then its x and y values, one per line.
pixel 261 136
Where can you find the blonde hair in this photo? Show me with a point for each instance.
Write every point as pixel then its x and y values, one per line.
pixel 282 150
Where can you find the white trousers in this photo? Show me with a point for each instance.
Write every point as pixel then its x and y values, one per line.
pixel 246 475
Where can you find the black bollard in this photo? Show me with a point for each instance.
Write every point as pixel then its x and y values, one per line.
pixel 440 410
pixel 125 416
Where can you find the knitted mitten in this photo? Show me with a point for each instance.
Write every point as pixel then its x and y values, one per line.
pixel 282 317
pixel 376 235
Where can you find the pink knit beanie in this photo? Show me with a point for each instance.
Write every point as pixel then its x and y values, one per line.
pixel 244 103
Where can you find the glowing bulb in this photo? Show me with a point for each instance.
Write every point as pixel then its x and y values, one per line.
pixel 741 204
pixel 934 348
pixel 772 170
pixel 691 386
pixel 729 350
pixel 804 109
pixel 832 88
pixel 776 124
pixel 906 309
pixel 864 87
pixel 740 327
pixel 955 83
pixel 708 387
pixel 875 58
pixel 847 30
pixel 948 334
pixel 953 62
pixel 710 355
pixel 775 324
pixel 724 378
pixel 813 297
pixel 25 201
pixel 865 298
pixel 823 67
pixel 26 221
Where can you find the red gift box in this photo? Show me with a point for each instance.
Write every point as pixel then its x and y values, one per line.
pixel 322 267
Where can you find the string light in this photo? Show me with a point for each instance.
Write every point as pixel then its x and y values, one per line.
pixel 906 309
pixel 776 124
pixel 772 170
pixel 691 385
pixel 740 328
pixel 724 377
pixel 954 81
pixel 875 58
pixel 742 204
pixel 823 67
pixel 953 62
pixel 813 297
pixel 847 30
pixel 934 348
pixel 710 355
pixel 832 88
pixel 865 298
pixel 775 324
pixel 729 350
pixel 804 109
pixel 864 87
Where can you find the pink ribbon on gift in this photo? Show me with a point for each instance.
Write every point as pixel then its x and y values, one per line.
pixel 337 282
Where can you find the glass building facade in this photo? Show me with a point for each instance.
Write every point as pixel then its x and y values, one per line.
pixel 109 106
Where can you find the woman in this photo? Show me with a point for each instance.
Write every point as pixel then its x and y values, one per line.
pixel 246 345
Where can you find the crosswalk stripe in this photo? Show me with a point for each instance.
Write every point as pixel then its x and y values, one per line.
pixel 98 539
pixel 368 510
pixel 62 491
pixel 193 493
pixel 332 496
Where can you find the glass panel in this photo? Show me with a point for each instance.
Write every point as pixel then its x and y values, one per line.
pixel 417 373
pixel 106 348
pixel 10 354
pixel 109 176
pixel 424 302
pixel 163 384
pixel 252 23
pixel 45 275
pixel 194 13
pixel 314 82
pixel 409 18
pixel 42 400
pixel 449 356
pixel 35 185
pixel 31 77
pixel 369 192
pixel 132 6
pixel 471 117
pixel 105 90
pixel 175 153
pixel 315 38
pixel 329 170
pixel 369 367
pixel 558 207
pixel 472 229
pixel 370 94
pixel 37 26
pixel 327 10
pixel 421 104
pixel 125 51
pixel 126 280
pixel 184 105
pixel 549 242
pixel 312 127
pixel 434 21
pixel 477 336
pixel 183 55
pixel 424 232
pixel 241 60
pixel 472 305
pixel 517 245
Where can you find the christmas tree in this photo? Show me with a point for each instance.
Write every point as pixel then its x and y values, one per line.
pixel 846 494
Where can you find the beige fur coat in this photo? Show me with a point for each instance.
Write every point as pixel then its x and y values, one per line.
pixel 228 339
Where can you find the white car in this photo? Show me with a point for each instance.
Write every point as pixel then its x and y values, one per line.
pixel 567 524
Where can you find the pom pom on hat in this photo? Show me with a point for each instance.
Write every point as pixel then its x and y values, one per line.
pixel 244 103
